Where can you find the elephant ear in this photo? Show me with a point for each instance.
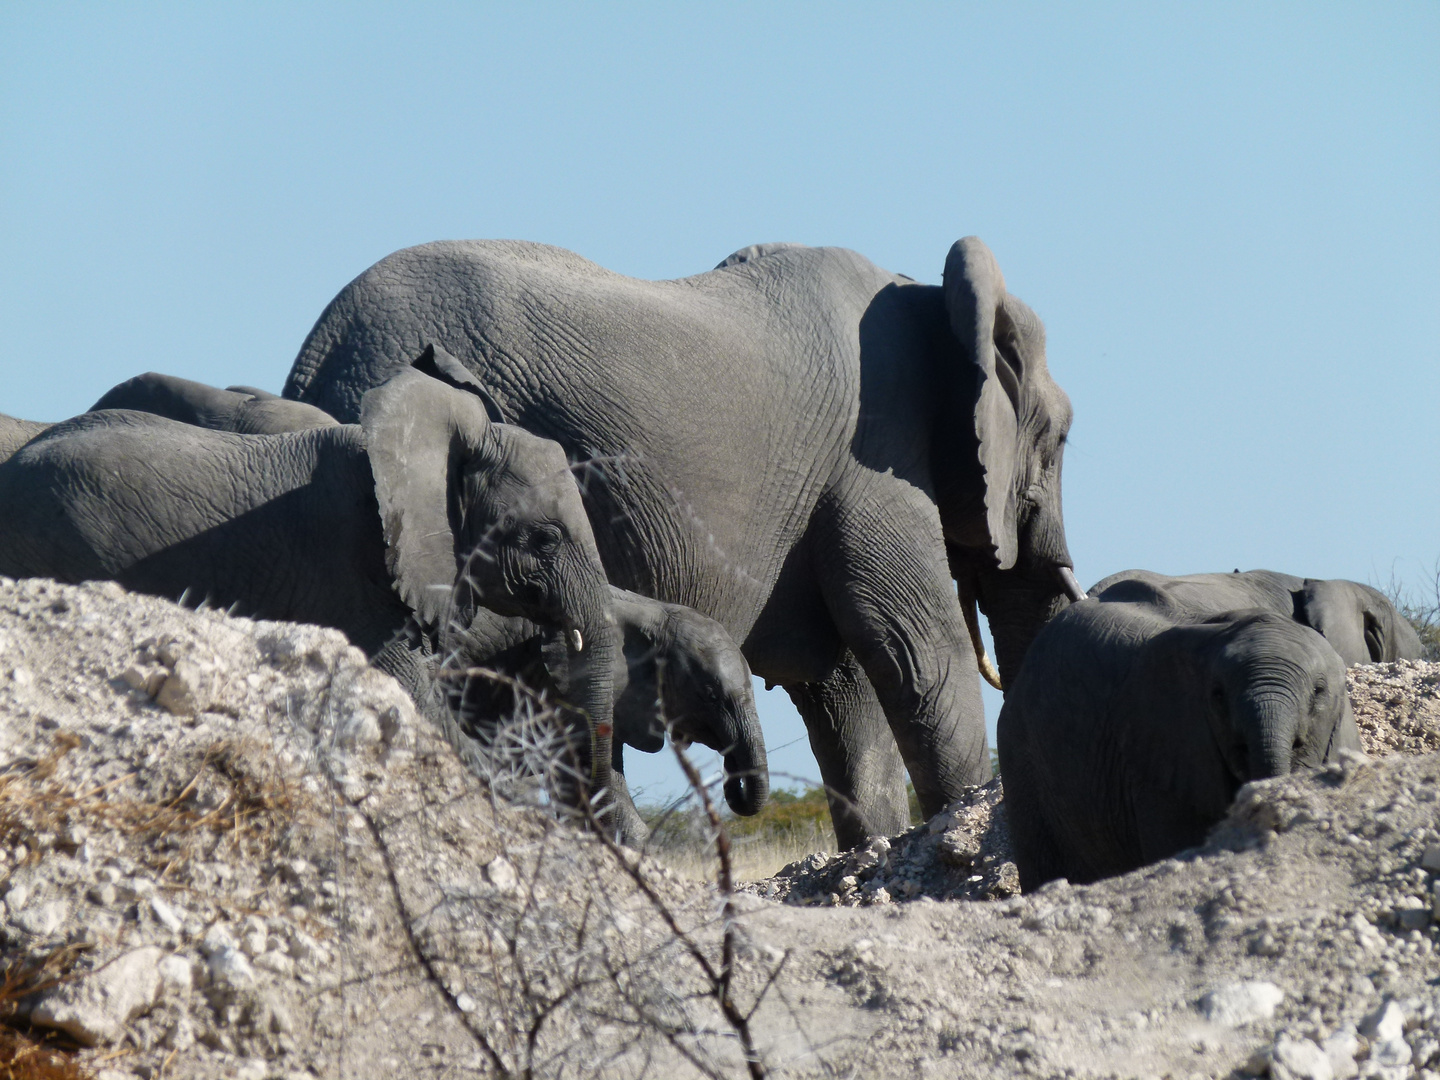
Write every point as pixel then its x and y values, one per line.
pixel 975 301
pixel 421 435
pixel 439 364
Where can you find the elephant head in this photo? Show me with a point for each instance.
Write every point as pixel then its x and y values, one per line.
pixel 1006 544
pixel 1265 696
pixel 1276 699
pixel 478 514
pixel 684 671
pixel 1362 625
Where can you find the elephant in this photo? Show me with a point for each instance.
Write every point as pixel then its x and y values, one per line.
pixel 678 671
pixel 240 409
pixel 1359 622
pixel 1132 726
pixel 360 526
pixel 798 444
pixel 15 433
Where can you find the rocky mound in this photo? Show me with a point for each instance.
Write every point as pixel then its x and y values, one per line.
pixel 1397 706
pixel 230 849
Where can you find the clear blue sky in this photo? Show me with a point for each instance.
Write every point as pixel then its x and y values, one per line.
pixel 1228 215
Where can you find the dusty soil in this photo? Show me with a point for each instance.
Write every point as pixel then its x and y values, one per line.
pixel 232 850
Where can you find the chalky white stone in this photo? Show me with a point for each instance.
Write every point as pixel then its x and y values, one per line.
pixel 95 1009
pixel 1240 1003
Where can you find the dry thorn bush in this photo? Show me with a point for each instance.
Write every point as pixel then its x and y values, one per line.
pixel 579 951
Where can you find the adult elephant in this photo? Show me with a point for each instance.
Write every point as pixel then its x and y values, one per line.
pixel 798 444
pixel 1358 621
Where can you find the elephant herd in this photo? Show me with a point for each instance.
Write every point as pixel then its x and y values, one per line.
pixel 496 457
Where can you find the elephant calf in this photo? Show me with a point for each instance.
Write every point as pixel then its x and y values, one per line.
pixel 1130 728
pixel 678 668
pixel 1358 621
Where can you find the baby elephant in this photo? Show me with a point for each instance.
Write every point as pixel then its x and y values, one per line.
pixel 678 667
pixel 1129 729
pixel 1358 621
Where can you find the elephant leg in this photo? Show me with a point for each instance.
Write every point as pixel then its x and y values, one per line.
pixel 630 827
pixel 859 764
pixel 881 563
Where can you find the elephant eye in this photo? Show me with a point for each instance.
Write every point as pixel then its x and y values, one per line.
pixel 545 540
pixel 1320 687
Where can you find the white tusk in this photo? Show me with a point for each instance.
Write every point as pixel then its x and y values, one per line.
pixel 577 641
pixel 1071 585
pixel 987 669
pixel 972 623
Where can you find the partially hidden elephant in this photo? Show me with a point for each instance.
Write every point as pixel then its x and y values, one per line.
pixel 15 433
pixel 1359 622
pixel 1132 725
pixel 678 673
pixel 807 448
pixel 240 409
pixel 362 527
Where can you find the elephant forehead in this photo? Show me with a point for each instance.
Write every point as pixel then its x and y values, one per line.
pixel 1279 642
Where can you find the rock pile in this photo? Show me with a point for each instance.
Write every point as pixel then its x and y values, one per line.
pixel 230 849
pixel 962 853
pixel 1397 706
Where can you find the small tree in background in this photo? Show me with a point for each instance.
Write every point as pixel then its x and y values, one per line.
pixel 1421 607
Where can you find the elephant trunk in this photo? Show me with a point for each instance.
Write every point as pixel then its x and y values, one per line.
pixel 592 646
pixel 1267 719
pixel 1017 607
pixel 747 774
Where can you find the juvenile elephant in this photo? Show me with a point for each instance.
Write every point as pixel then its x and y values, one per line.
pixel 676 668
pixel 244 410
pixel 1131 727
pixel 1358 621
pixel 360 527
pixel 807 448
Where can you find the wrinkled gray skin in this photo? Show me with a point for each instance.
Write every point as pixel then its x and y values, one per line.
pixel 359 527
pixel 1129 730
pixel 676 667
pixel 1358 621
pixel 798 444
pixel 240 409
pixel 15 433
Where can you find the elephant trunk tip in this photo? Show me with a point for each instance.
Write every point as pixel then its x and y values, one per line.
pixel 747 792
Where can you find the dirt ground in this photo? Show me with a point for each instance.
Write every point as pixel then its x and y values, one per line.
pixel 230 849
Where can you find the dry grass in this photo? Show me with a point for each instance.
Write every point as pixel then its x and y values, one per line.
pixel 249 802
pixel 789 827
pixel 25 1053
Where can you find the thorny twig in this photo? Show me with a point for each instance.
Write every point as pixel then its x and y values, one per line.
pixel 720 978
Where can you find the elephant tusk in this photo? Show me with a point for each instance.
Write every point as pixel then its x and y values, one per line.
pixel 972 624
pixel 577 640
pixel 1070 584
